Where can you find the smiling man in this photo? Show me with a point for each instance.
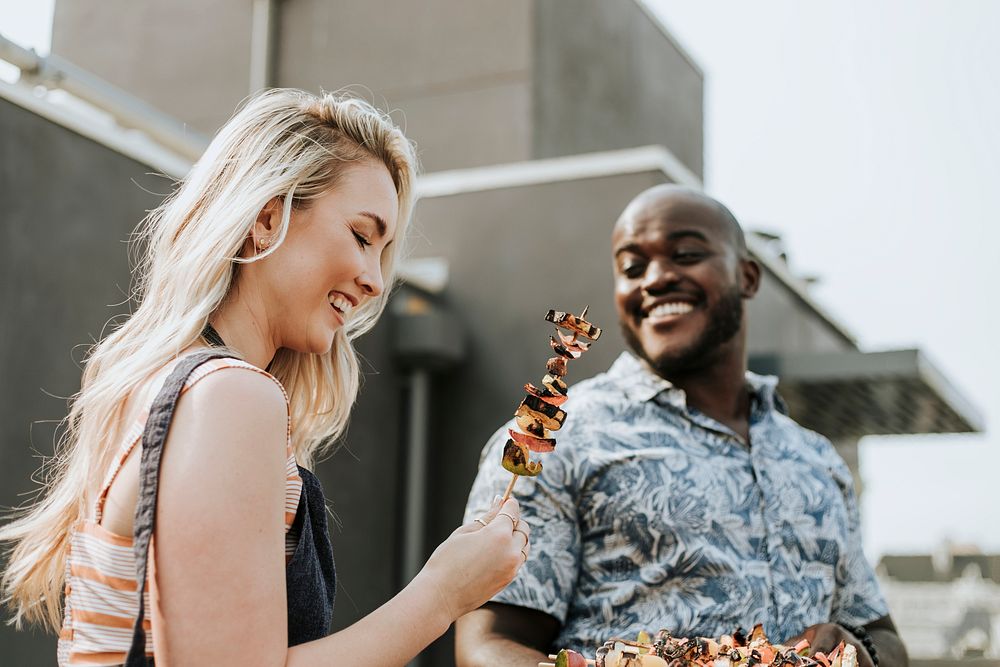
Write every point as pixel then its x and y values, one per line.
pixel 681 496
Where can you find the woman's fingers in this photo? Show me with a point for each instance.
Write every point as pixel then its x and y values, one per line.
pixel 483 520
pixel 523 529
pixel 508 515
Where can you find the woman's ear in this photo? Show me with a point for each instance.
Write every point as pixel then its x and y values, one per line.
pixel 749 278
pixel 265 227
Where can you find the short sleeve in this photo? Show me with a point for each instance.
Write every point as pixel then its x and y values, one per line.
pixel 857 599
pixel 548 505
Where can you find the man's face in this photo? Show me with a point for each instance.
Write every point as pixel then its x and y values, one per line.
pixel 679 283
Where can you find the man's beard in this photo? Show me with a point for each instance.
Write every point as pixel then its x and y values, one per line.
pixel 725 319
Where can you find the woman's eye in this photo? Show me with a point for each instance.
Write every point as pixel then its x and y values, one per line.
pixel 362 241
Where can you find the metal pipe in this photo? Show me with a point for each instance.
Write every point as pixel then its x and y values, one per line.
pixel 262 44
pixel 415 511
pixel 128 111
pixel 416 474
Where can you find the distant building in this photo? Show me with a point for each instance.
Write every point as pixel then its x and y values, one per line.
pixel 946 605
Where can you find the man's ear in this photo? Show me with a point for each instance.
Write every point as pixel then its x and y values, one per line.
pixel 749 278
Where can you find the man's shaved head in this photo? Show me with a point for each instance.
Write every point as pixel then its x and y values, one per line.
pixel 660 200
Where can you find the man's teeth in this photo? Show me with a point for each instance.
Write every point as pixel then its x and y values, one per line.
pixel 667 309
pixel 341 304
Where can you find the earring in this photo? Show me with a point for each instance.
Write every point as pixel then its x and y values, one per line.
pixel 263 243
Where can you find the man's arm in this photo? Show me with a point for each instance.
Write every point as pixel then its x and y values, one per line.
pixel 503 634
pixel 891 652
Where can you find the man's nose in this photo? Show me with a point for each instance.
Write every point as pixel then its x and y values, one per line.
pixel 659 275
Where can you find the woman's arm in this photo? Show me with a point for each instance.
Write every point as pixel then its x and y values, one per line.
pixel 470 567
pixel 219 596
pixel 219 547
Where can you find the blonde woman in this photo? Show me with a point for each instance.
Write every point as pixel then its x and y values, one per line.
pixel 184 463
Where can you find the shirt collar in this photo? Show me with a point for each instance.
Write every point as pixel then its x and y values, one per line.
pixel 640 384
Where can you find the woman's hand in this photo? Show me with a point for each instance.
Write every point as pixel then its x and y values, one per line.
pixel 479 559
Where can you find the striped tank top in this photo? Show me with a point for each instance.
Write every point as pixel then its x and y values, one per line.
pixel 100 596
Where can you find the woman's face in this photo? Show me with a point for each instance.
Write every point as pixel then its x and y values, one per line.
pixel 330 261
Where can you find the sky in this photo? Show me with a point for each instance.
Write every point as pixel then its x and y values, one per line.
pixel 867 135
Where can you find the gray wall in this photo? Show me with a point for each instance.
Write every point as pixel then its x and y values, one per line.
pixel 472 83
pixel 459 72
pixel 782 323
pixel 69 204
pixel 189 59
pixel 606 77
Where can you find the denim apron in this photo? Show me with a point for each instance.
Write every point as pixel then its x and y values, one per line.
pixel 310 577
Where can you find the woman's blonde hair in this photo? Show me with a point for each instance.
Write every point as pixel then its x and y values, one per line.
pixel 285 144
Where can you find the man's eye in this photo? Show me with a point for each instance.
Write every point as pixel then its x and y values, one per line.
pixel 362 241
pixel 632 270
pixel 688 256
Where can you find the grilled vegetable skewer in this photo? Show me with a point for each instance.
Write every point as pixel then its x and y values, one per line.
pixel 539 413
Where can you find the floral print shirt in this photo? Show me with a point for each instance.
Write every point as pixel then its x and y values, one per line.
pixel 651 515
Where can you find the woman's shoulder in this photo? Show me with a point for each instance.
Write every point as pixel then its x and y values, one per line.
pixel 228 382
pixel 234 371
pixel 228 407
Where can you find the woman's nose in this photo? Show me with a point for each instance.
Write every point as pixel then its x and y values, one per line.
pixel 370 281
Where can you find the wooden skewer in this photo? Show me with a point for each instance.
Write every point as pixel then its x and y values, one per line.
pixel 510 488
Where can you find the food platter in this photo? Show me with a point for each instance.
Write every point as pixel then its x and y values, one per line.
pixel 735 650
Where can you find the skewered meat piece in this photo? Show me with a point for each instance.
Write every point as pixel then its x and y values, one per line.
pixel 530 424
pixel 573 323
pixel 550 416
pixel 555 384
pixel 546 394
pixel 535 444
pixel 556 366
pixel 562 350
pixel 572 343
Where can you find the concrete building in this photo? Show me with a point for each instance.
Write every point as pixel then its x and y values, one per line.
pixel 537 121
pixel 946 605
pixel 478 83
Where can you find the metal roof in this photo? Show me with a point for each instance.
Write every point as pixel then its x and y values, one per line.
pixel 850 394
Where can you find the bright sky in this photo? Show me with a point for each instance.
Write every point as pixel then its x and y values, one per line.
pixel 867 134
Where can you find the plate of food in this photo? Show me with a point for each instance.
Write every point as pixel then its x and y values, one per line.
pixel 735 650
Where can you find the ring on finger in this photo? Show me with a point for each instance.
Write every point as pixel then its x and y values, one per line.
pixel 513 521
pixel 519 530
pixel 525 554
pixel 480 521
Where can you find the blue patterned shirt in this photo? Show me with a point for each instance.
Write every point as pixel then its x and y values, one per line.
pixel 651 515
